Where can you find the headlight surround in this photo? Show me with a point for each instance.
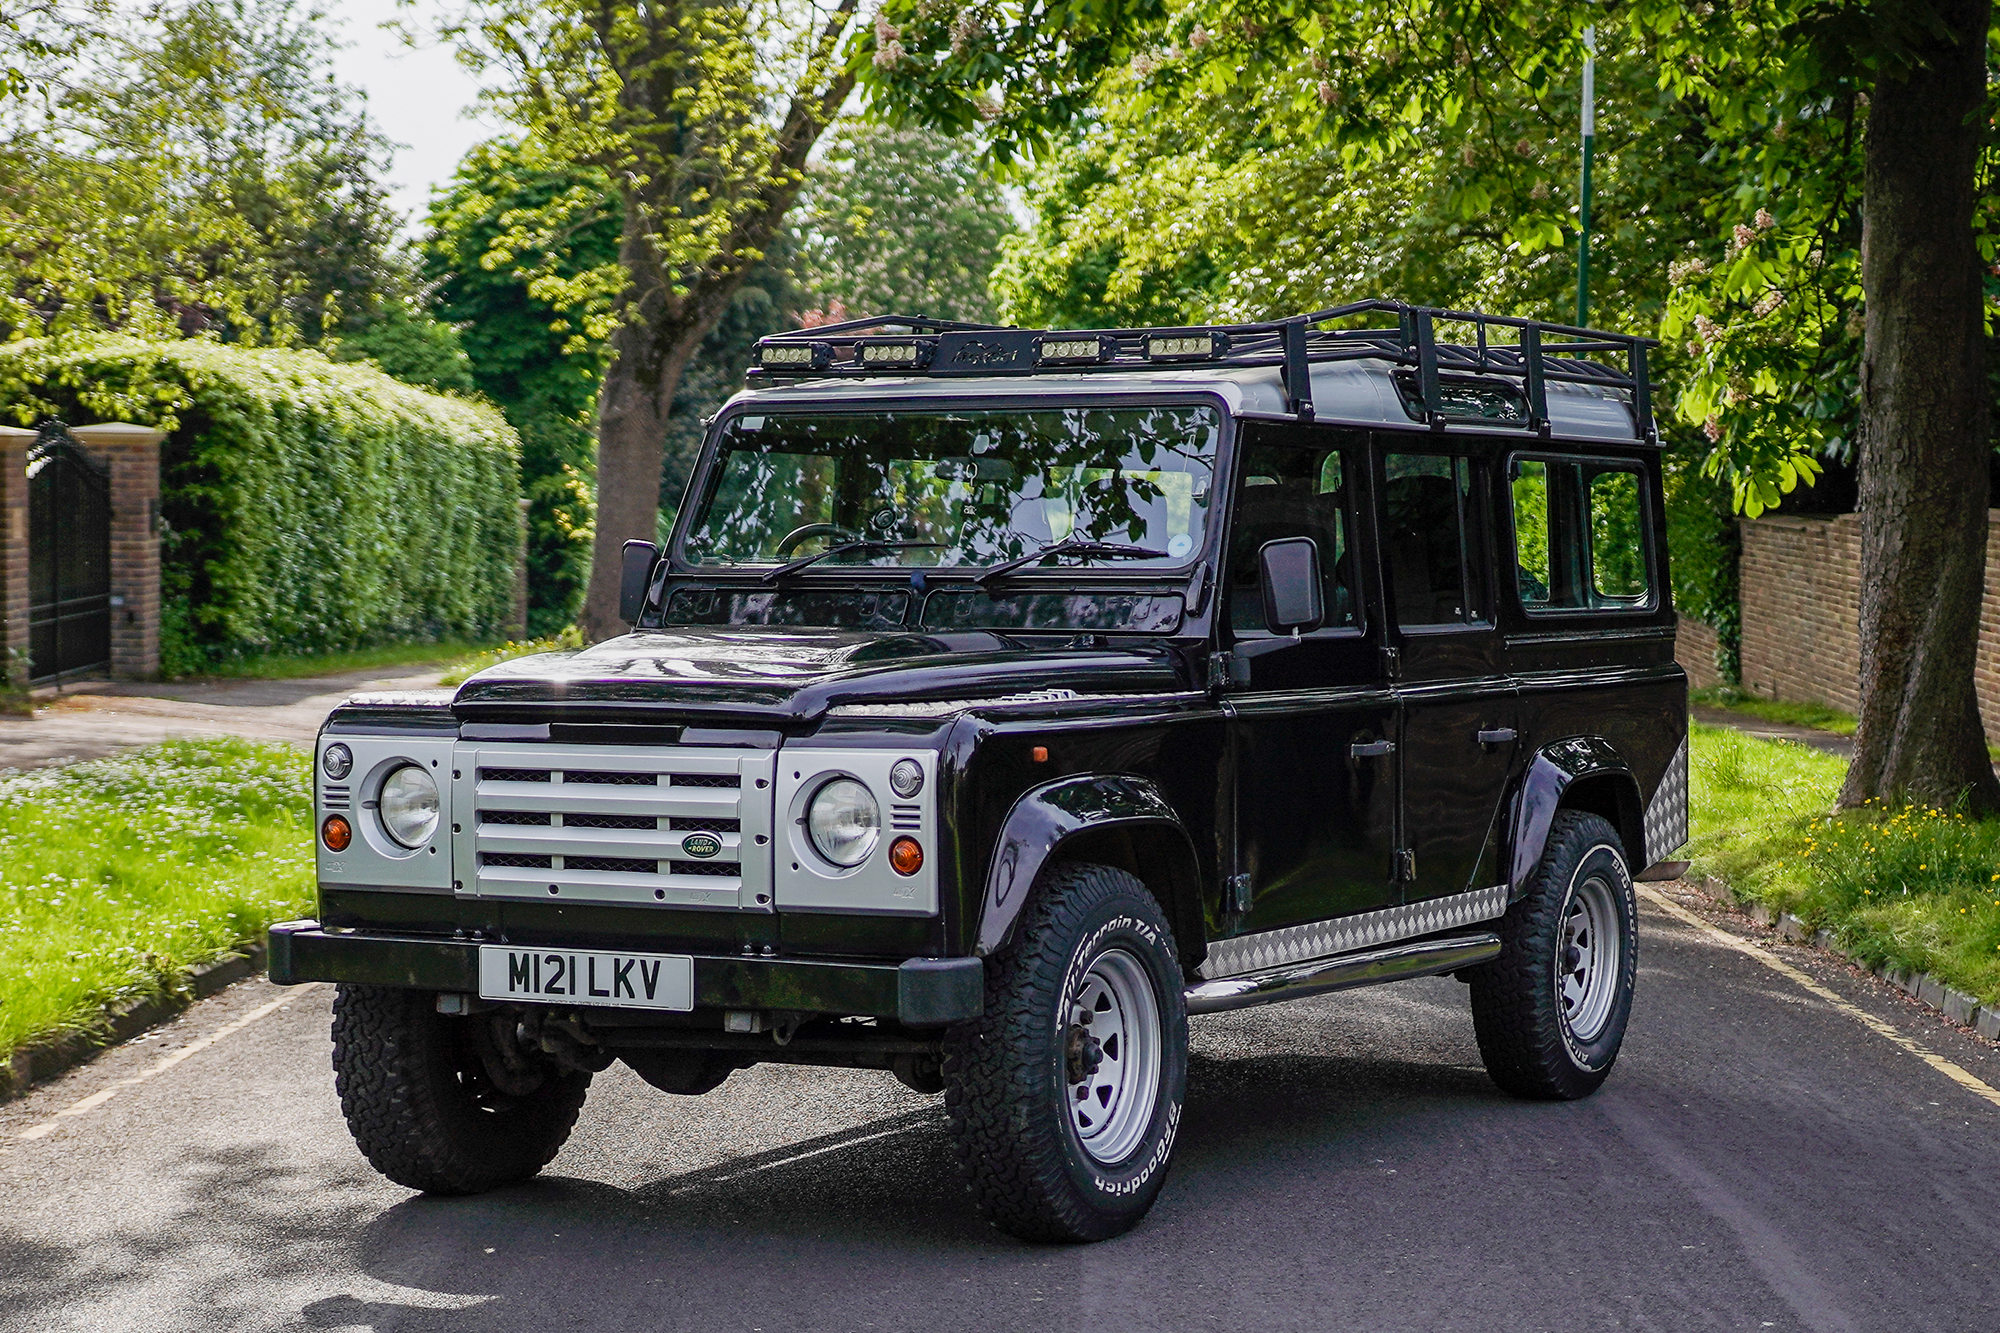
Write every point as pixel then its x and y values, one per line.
pixel 844 821
pixel 408 805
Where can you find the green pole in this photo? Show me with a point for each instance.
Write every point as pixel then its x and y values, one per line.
pixel 1589 142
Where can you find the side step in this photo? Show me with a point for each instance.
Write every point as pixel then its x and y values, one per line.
pixel 1422 959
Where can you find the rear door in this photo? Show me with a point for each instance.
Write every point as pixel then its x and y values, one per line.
pixel 1457 705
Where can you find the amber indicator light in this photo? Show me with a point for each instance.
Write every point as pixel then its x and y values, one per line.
pixel 1040 754
pixel 906 857
pixel 337 833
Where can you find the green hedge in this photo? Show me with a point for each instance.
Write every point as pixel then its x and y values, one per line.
pixel 308 505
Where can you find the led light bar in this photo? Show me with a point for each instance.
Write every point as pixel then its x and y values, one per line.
pixel 794 356
pixel 1072 350
pixel 889 355
pixel 1185 346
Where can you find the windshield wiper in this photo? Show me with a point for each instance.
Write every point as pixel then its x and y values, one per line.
pixel 1071 545
pixel 845 548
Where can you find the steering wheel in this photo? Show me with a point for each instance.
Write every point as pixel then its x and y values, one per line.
pixel 809 531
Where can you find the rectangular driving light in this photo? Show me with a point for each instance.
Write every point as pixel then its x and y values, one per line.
pixel 1185 346
pixel 794 356
pixel 892 355
pixel 1070 351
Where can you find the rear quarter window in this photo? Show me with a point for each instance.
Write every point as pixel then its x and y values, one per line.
pixel 1581 539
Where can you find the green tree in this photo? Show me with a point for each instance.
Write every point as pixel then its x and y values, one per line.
pixel 538 363
pixel 1779 83
pixel 703 116
pixel 907 220
pixel 207 176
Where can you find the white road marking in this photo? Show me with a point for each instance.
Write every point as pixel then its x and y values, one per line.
pixel 1955 1072
pixel 810 1152
pixel 103 1095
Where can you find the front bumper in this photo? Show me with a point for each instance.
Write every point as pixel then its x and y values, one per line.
pixel 920 992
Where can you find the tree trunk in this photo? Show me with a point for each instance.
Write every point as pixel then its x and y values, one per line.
pixel 651 347
pixel 1924 431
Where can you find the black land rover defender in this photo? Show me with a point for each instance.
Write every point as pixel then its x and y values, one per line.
pixel 1003 698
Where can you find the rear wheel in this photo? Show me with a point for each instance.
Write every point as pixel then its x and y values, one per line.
pixel 446 1105
pixel 1550 1011
pixel 1065 1096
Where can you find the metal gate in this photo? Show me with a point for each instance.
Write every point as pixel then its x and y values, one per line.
pixel 69 558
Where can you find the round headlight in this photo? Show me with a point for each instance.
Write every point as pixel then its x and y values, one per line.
pixel 844 822
pixel 409 806
pixel 338 761
pixel 906 779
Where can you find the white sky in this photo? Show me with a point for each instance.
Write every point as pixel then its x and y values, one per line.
pixel 421 98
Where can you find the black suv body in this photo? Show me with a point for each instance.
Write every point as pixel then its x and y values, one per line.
pixel 1005 696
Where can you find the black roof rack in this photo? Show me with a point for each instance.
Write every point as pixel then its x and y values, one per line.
pixel 1538 353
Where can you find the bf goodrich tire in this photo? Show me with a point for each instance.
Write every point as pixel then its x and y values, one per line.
pixel 1064 1098
pixel 1550 1011
pixel 424 1106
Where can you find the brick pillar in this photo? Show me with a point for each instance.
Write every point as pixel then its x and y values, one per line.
pixel 14 444
pixel 133 455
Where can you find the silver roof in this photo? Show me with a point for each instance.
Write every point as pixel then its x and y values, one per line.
pixel 1359 392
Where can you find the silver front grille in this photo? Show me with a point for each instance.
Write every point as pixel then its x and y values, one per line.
pixel 663 826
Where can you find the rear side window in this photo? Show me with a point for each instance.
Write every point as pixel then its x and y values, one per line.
pixel 1580 535
pixel 1431 540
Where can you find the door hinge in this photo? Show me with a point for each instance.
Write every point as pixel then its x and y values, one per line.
pixel 1406 865
pixel 1239 893
pixel 1392 662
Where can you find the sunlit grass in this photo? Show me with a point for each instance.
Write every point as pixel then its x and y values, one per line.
pixel 473 663
pixel 1915 887
pixel 1820 717
pixel 118 874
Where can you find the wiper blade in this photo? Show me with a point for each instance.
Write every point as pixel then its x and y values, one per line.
pixel 845 548
pixel 1071 545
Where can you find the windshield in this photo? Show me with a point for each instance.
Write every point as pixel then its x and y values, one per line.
pixel 975 487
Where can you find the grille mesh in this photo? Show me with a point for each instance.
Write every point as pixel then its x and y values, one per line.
pixel 715 869
pixel 691 824
pixel 623 865
pixel 613 779
pixel 610 821
pixel 516 860
pixel 706 780
pixel 513 775
pixel 512 817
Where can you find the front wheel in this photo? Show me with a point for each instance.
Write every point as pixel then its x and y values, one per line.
pixel 1550 1011
pixel 446 1105
pixel 1065 1096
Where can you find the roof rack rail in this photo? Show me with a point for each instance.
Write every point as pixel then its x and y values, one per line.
pixel 1538 353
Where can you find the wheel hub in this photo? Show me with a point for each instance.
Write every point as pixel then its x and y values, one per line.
pixel 1589 963
pixel 1112 1047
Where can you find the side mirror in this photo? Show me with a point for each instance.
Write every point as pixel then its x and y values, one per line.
pixel 1293 600
pixel 638 567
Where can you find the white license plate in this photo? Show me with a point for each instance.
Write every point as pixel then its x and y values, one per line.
pixel 581 976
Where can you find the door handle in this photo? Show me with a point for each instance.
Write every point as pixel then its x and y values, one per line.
pixel 1371 749
pixel 1499 736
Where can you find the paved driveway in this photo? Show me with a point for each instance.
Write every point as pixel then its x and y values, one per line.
pixel 1760 1159
pixel 97 718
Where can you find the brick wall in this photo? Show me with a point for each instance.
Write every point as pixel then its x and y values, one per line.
pixel 1802 606
pixel 1694 649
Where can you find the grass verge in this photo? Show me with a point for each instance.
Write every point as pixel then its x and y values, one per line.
pixel 118 874
pixel 1818 716
pixel 472 663
pixel 1915 887
pixel 292 666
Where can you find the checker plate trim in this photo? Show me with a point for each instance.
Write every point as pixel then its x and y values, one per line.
pixel 1365 930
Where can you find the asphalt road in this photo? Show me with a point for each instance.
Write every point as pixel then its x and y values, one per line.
pixel 1760 1159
